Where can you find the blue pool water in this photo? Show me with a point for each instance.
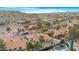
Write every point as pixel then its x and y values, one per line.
pixel 61 47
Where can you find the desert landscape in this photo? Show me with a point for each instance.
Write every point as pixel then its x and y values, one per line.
pixel 39 32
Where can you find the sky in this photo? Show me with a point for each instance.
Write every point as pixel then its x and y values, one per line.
pixel 40 9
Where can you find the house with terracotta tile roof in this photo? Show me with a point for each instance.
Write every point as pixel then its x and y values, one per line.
pixel 16 44
pixel 19 43
pixel 59 32
pixel 46 36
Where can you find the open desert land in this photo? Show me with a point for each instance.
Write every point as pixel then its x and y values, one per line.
pixel 39 32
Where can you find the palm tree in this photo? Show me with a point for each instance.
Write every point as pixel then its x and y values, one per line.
pixel 74 32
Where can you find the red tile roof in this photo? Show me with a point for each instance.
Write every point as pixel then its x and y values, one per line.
pixel 59 32
pixel 16 43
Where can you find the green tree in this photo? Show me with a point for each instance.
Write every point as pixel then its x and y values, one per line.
pixel 43 25
pixel 37 45
pixel 46 25
pixel 50 33
pixel 56 21
pixel 74 31
pixel 27 22
pixel 30 46
pixel 41 39
pixel 2 45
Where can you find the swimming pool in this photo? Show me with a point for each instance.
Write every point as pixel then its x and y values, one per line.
pixel 61 47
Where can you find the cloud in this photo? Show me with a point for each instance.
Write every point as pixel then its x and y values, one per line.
pixel 43 11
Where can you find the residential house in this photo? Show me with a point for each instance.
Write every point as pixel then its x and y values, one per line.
pixel 15 44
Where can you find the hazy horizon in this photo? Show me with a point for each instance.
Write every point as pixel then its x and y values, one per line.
pixel 40 9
